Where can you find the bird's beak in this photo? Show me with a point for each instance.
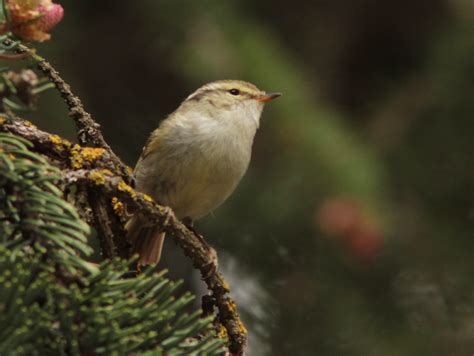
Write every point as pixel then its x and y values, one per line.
pixel 265 98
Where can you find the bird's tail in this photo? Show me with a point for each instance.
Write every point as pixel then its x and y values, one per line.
pixel 146 240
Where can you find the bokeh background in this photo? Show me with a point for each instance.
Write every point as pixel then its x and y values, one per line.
pixel 352 232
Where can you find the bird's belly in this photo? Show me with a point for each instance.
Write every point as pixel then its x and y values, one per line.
pixel 195 185
pixel 199 198
pixel 201 190
pixel 195 173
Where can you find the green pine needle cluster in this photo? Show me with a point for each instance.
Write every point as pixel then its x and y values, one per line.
pixel 52 301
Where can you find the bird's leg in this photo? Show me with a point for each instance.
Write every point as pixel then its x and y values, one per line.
pixel 211 268
pixel 189 223
pixel 169 215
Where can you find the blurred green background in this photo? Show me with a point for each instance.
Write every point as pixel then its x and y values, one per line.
pixel 352 232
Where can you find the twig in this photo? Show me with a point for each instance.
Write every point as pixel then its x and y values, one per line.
pixel 88 130
pixel 62 152
pixel 14 57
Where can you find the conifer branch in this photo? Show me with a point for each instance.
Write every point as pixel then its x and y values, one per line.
pixel 92 170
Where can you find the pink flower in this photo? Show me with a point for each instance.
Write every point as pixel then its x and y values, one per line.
pixel 31 20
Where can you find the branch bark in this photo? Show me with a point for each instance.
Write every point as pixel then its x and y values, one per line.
pixel 201 254
pixel 88 130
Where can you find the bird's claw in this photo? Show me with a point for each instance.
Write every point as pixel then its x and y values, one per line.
pixel 169 215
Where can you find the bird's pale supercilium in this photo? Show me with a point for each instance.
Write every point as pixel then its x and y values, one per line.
pixel 196 157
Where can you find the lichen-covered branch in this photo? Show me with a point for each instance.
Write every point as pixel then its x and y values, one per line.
pixel 88 130
pixel 201 254
pixel 92 170
pixel 63 153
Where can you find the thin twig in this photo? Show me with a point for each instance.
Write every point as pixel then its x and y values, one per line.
pixel 14 57
pixel 88 130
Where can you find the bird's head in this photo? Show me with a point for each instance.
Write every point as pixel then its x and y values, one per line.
pixel 231 98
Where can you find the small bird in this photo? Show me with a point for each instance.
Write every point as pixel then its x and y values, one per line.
pixel 196 157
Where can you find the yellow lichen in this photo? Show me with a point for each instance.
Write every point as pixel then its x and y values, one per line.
pixel 147 197
pixel 2 120
pixel 28 124
pixel 91 154
pixel 55 139
pixel 117 205
pixel 242 328
pixel 233 310
pixel 225 285
pixel 232 307
pixel 59 143
pixel 81 155
pixel 97 178
pixel 124 187
pixel 222 332
pixel 76 159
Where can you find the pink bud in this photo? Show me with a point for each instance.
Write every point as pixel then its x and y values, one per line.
pixel 31 20
pixel 51 16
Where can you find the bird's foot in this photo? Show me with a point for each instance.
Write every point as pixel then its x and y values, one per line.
pixel 189 223
pixel 169 215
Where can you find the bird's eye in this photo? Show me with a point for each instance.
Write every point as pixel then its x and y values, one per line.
pixel 234 91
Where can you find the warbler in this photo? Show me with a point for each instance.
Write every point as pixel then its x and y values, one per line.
pixel 196 157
